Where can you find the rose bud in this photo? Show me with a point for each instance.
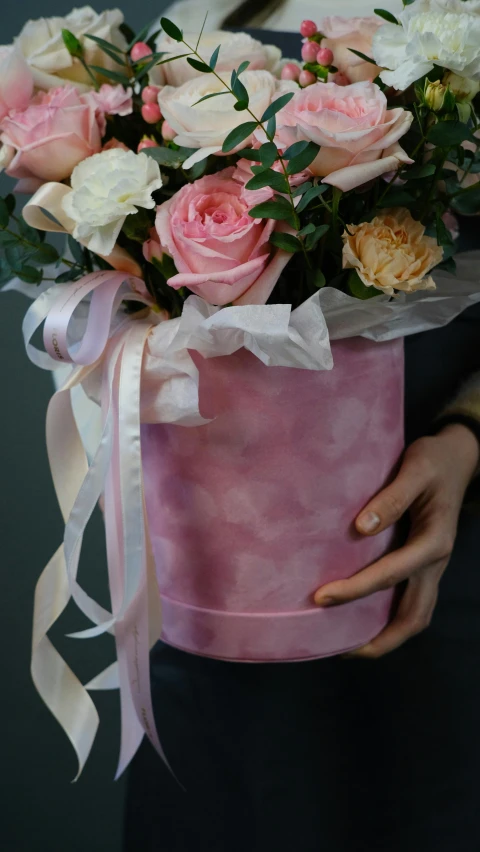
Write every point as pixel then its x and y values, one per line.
pixel 290 71
pixel 324 56
pixel 150 94
pixel 140 50
pixel 151 113
pixel 306 78
pixel 308 29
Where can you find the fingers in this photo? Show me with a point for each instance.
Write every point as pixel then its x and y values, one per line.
pixel 394 501
pixel 413 615
pixel 428 547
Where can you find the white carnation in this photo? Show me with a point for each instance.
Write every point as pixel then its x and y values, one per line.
pixel 106 188
pixel 431 32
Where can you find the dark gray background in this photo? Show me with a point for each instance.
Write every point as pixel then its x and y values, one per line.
pixel 40 810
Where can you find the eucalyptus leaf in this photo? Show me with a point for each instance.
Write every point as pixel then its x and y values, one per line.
pixel 444 237
pixel 358 289
pixel 448 134
pixel 387 16
pixel 308 229
pixel 4 214
pixel 276 106
pixel 301 161
pixel 238 134
pixel 277 209
pixel 171 29
pixel 31 235
pixel 243 67
pixel 268 177
pixel 268 154
pixel 111 75
pixel 310 195
pixel 313 239
pixel 240 106
pixel 211 95
pixel 287 242
pixel 70 275
pixel 271 127
pixel 30 274
pixel 11 203
pixel 199 66
pixel 362 56
pixel 467 202
pixel 45 254
pixel 214 58
pixel 420 171
pixel 76 250
pixel 111 50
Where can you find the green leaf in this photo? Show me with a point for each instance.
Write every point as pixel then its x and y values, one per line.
pixel 200 66
pixel 69 275
pixel 45 254
pixel 302 160
pixel 4 214
pixel 240 91
pixel 444 237
pixel 15 255
pixel 287 242
pixel 243 67
pixel 11 202
pixel 397 197
pixel 201 31
pixel 30 274
pixel 272 127
pixel 358 289
pixel 310 195
pixel 467 202
pixel 448 265
pixel 268 177
pixel 316 278
pixel 171 29
pixel 277 209
pixel 211 95
pixel 7 239
pixel 238 134
pixel 240 106
pixel 28 233
pixel 73 45
pixel 268 154
pixel 294 150
pixel 252 154
pixel 313 239
pixel 111 50
pixel 308 229
pixel 111 75
pixel 276 106
pixel 197 170
pixel 302 189
pixel 447 134
pixel 420 171
pixel 77 251
pixel 168 157
pixel 387 16
pixel 214 58
pixel 362 56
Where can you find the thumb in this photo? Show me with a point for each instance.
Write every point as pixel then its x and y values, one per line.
pixel 392 503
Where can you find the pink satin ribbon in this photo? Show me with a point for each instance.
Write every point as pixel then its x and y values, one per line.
pixel 116 471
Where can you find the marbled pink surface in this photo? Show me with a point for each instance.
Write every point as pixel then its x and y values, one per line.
pixel 254 511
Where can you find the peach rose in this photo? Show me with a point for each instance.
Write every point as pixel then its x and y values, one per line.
pixel 358 135
pixel 392 252
pixel 357 33
pixel 221 253
pixel 51 136
pixel 16 81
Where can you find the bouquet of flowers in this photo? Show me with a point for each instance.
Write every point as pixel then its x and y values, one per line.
pixel 229 213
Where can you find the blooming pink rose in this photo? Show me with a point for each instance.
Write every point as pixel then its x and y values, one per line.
pixel 110 100
pixel 16 81
pixel 52 135
pixel 358 135
pixel 357 33
pixel 221 253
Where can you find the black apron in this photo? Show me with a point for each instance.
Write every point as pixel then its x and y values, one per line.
pixel 332 755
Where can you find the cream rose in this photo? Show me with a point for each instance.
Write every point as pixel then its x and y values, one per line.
pixel 106 188
pixel 431 32
pixel 235 49
pixel 392 253
pixel 358 135
pixel 356 33
pixel 206 125
pixel 41 43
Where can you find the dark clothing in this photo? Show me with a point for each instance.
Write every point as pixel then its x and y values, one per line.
pixel 331 755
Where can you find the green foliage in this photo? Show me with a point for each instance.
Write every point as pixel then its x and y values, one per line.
pixel 268 154
pixel 168 157
pixel 238 134
pixel 279 209
pixel 357 288
pixel 448 134
pixel 171 29
pixel 72 44
pixel 304 158
pixel 387 16
pixel 362 56
pixel 111 75
pixel 111 50
pixel 267 177
pixel 310 195
pixel 276 106
pixel 214 58
pixel 287 242
pixel 199 66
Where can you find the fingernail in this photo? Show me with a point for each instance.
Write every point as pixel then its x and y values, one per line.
pixel 369 522
pixel 328 601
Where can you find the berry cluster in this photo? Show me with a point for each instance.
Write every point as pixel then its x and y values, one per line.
pixel 318 60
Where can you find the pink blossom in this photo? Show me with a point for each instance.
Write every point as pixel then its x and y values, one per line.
pixel 51 136
pixel 152 249
pixel 346 34
pixel 16 81
pixel 221 253
pixel 110 100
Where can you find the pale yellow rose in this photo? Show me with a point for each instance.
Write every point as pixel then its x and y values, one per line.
pixel 392 252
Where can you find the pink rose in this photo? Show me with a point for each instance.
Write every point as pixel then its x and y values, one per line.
pixel 16 81
pixel 110 100
pixel 221 253
pixel 51 136
pixel 115 143
pixel 357 33
pixel 358 135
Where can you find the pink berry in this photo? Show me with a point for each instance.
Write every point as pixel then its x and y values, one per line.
pixel 341 79
pixel 139 51
pixel 151 113
pixel 325 56
pixel 306 78
pixel 309 51
pixel 290 71
pixel 168 132
pixel 308 29
pixel 150 94
pixel 146 143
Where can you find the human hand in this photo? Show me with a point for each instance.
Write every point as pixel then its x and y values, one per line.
pixel 430 485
